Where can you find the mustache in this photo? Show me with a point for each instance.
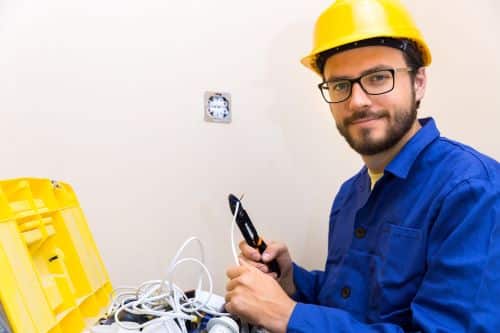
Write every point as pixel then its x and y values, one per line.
pixel 364 114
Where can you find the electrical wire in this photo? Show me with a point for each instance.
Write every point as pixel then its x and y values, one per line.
pixel 233 225
pixel 244 325
pixel 163 300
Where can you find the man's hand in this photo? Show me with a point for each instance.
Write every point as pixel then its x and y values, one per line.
pixel 257 297
pixel 278 251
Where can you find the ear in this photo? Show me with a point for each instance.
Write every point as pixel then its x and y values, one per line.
pixel 420 83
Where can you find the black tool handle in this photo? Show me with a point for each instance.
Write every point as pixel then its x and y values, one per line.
pixel 273 265
pixel 249 232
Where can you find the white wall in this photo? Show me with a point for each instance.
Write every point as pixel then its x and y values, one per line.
pixel 107 95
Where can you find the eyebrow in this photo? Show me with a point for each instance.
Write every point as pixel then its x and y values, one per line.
pixel 366 71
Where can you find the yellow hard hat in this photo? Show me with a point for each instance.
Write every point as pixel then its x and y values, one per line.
pixel 350 21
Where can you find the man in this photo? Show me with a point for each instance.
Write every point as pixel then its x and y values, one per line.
pixel 414 240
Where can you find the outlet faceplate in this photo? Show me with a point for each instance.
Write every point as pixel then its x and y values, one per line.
pixel 217 107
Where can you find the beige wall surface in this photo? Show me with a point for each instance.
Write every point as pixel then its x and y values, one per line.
pixel 108 96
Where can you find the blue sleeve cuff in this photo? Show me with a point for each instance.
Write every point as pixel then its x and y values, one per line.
pixel 314 318
pixel 306 283
pixel 296 323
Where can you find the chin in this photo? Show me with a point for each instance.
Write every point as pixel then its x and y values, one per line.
pixel 370 134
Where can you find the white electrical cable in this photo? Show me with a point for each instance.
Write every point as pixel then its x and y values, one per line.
pixel 233 224
pixel 244 328
pixel 163 300
pixel 210 283
pixel 181 249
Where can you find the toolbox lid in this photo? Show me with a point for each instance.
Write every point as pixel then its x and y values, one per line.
pixel 52 276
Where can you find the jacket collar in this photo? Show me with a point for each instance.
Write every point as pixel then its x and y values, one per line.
pixel 401 164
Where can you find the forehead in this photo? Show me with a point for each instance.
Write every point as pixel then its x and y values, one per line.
pixel 353 62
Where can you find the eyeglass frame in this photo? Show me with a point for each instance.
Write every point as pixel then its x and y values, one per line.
pixel 358 80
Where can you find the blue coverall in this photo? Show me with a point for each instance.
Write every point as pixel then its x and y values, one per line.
pixel 418 253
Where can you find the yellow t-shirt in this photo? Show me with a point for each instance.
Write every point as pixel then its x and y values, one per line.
pixel 374 177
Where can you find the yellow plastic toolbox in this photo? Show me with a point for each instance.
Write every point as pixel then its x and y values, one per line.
pixel 52 278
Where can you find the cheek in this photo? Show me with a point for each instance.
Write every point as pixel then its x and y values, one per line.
pixel 403 95
pixel 395 100
pixel 336 113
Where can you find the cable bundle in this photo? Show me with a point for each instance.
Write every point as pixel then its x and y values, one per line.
pixel 161 306
pixel 161 303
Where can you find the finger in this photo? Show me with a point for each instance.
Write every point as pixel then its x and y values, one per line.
pixel 235 284
pixel 249 251
pixel 246 268
pixel 262 267
pixel 259 265
pixel 242 258
pixel 230 286
pixel 273 251
pixel 234 272
pixel 228 297
pixel 256 264
pixel 233 303
pixel 243 262
pixel 228 307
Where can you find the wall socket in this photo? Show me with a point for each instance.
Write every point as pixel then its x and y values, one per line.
pixel 218 107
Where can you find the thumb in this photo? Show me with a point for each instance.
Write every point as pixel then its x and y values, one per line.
pixel 272 252
pixel 243 262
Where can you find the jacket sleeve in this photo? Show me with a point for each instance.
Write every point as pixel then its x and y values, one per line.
pixel 460 290
pixel 307 284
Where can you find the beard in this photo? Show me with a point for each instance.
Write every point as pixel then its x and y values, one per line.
pixel 365 144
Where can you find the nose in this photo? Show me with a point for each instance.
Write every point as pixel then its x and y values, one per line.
pixel 359 99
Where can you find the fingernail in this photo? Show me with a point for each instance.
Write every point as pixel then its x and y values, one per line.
pixel 265 256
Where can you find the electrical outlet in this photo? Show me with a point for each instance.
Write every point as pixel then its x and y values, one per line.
pixel 217 107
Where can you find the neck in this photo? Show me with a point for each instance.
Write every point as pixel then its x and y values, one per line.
pixel 377 163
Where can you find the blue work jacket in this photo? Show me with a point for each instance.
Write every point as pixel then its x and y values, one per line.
pixel 418 253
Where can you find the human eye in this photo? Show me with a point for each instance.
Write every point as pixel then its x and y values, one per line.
pixel 339 86
pixel 378 77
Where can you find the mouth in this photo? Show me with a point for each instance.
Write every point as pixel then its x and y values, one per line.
pixel 365 120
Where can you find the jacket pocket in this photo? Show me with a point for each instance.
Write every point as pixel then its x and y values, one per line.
pixel 400 268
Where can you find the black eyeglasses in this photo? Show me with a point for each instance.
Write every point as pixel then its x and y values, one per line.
pixel 374 83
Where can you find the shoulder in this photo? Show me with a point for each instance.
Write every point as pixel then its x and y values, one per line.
pixel 458 162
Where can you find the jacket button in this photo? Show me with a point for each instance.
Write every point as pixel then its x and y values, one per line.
pixel 345 292
pixel 360 232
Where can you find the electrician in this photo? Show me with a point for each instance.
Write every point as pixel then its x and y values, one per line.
pixel 414 236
